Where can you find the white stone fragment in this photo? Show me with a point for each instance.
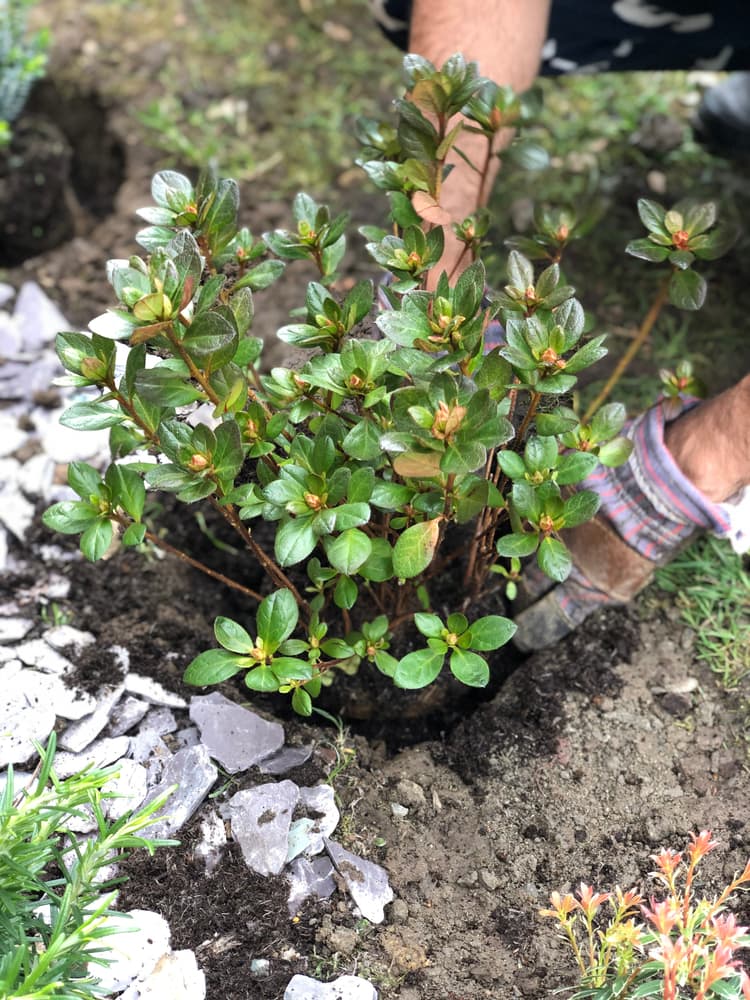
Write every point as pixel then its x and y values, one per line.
pixel 367 882
pixel 3 549
pixel 285 760
pixel 188 737
pixel 10 337
pixel 149 749
pixel 99 754
pixel 128 789
pixel 235 736
pixel 213 840
pixel 261 818
pixel 37 316
pixel 140 939
pixel 78 736
pixel 16 512
pixel 62 636
pixel 151 690
pixel 126 714
pixel 37 475
pixel 309 877
pixel 307 834
pixel 11 435
pixel 176 976
pixel 343 988
pixel 14 628
pixel 36 653
pixel 64 444
pixel 194 774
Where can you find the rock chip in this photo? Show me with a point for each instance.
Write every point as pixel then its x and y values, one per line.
pixel 78 736
pixel 235 736
pixel 176 976
pixel 140 939
pixel 14 628
pixel 343 988
pixel 309 877
pixel 261 818
pixel 285 760
pixel 151 690
pixel 194 774
pixel 99 754
pixel 367 882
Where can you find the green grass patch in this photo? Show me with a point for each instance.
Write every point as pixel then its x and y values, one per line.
pixel 711 585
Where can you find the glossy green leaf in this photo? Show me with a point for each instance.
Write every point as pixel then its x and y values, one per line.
pixel 213 667
pixel 554 559
pixel 418 669
pixel 469 668
pixel 518 545
pixel 70 516
pixel 96 539
pixel 349 551
pixel 687 290
pixel 491 632
pixel 277 618
pixel 232 636
pixel 415 548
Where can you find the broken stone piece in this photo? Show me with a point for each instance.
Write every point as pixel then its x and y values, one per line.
pixel 160 721
pixel 127 713
pixel 309 877
pixel 78 736
pixel 343 988
pixel 14 628
pixel 128 789
pixel 367 882
pixel 99 754
pixel 149 749
pixel 37 317
pixel 213 840
pixel 285 760
pixel 235 736
pixel 261 818
pixel 152 691
pixel 36 653
pixel 176 976
pixel 139 940
pixel 194 774
pixel 62 636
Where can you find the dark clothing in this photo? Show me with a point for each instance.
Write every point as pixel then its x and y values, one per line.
pixel 594 36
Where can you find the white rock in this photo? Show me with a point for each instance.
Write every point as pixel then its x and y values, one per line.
pixel 213 840
pixel 38 318
pixel 16 512
pixel 62 636
pixel 140 939
pixel 36 653
pixel 151 690
pixel 14 628
pixel 21 780
pixel 37 475
pixel 3 549
pixel 367 882
pixel 194 774
pixel 309 877
pixel 261 818
pixel 160 721
pixel 64 445
pixel 306 835
pixel 11 435
pixel 10 337
pixel 129 786
pixel 78 736
pixel 343 988
pixel 7 293
pixel 98 755
pixel 236 737
pixel 26 714
pixel 176 976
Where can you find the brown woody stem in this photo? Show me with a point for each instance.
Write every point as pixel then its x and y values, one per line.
pixel 196 564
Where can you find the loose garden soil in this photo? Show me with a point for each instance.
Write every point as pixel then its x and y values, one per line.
pixel 583 763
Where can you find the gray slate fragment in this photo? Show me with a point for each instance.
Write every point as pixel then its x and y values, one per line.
pixel 11 435
pixel 36 653
pixel 78 736
pixel 160 721
pixel 309 877
pixel 130 786
pixel 149 749
pixel 126 714
pixel 14 628
pixel 236 737
pixel 38 318
pixel 307 834
pixel 25 714
pixel 367 882
pixel 285 760
pixel 261 818
pixel 194 774
pixel 36 477
pixel 343 988
pixel 16 512
pixel 213 840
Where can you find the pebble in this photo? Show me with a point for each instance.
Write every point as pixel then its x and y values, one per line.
pixel 151 690
pixel 78 736
pixel 235 736
pixel 343 988
pixel 366 882
pixel 14 628
pixel 261 818
pixel 194 774
pixel 309 877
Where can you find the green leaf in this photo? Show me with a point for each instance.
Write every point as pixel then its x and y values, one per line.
pixel 91 416
pixel 525 501
pixel 261 276
pixel 418 669
pixel 554 559
pixel 84 479
pixel 213 667
pixel 345 593
pixel 386 663
pixel 652 215
pixel 469 668
pixel 379 566
pixel 687 290
pixel 608 421
pixel 96 539
pixel 289 668
pixel 360 485
pixel 415 548
pixel 430 626
pixel 166 387
pixel 302 702
pixel 232 636
pixel 575 466
pixel 211 336
pixel 580 507
pixel 349 551
pixel 517 545
pixel 134 534
pixel 295 540
pixel 277 618
pixel 615 452
pixel 646 249
pixel 262 679
pixel 127 490
pixel 351 515
pixel 70 516
pixel 549 424
pixel 512 464
pixel 491 632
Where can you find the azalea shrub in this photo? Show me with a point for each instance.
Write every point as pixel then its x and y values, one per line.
pixel 675 944
pixel 406 444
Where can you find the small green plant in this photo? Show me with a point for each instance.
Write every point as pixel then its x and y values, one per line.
pixel 54 908
pixel 23 58
pixel 400 450
pixel 685 946
pixel 712 590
